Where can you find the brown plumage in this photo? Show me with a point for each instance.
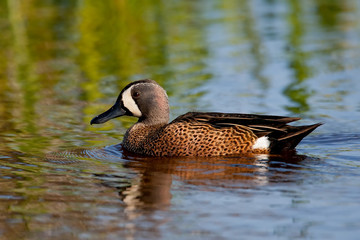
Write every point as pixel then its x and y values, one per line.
pixel 196 133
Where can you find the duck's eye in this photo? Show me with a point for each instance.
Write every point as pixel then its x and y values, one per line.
pixel 136 94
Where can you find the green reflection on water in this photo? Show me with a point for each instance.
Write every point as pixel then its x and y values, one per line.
pixel 22 67
pixel 297 90
pixel 328 15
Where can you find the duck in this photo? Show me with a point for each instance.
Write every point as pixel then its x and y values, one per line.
pixel 202 134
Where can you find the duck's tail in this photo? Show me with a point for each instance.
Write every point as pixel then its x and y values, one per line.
pixel 289 139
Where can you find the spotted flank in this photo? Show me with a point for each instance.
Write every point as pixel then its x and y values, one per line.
pixel 197 133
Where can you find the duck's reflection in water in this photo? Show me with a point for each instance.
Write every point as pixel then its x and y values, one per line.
pixel 146 185
pixel 151 188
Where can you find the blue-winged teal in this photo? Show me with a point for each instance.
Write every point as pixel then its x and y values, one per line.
pixel 196 133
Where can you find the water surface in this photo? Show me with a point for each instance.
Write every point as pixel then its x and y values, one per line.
pixel 63 62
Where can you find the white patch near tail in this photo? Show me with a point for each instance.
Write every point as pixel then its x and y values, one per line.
pixel 262 143
pixel 129 103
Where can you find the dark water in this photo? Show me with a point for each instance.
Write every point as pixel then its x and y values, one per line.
pixel 63 62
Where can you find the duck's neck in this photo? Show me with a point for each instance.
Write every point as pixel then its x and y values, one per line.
pixel 158 116
pixel 153 121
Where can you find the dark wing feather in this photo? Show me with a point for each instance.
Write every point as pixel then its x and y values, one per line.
pixel 261 125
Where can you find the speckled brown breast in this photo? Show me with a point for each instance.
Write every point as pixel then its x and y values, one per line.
pixel 188 139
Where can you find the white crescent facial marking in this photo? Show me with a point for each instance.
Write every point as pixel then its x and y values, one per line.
pixel 129 103
pixel 262 143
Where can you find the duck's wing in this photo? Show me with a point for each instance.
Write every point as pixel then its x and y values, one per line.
pixel 261 125
pixel 276 128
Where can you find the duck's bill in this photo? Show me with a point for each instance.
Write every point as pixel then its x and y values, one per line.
pixel 113 112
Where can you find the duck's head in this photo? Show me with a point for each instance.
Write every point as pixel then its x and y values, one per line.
pixel 144 99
